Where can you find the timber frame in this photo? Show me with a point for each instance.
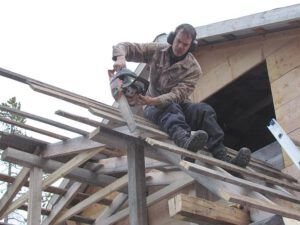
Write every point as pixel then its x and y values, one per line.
pixel 127 171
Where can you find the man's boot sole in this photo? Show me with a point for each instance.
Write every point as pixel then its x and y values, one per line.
pixel 197 141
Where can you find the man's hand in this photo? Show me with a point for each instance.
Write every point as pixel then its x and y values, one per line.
pixel 146 100
pixel 120 63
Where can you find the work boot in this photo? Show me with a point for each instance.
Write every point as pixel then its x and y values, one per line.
pixel 192 142
pixel 242 159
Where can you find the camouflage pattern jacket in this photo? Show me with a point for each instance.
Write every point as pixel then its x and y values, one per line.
pixel 168 83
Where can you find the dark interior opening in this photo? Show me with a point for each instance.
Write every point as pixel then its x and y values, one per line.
pixel 244 108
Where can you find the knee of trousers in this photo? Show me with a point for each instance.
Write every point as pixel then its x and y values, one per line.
pixel 201 108
pixel 152 113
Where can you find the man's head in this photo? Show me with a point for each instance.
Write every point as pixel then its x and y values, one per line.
pixel 183 39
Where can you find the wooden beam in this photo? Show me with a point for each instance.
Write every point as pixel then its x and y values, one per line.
pixel 35 196
pixel 76 218
pixel 116 185
pixel 21 142
pixel 43 120
pixel 126 113
pixel 71 146
pixel 81 100
pixel 61 172
pixel 49 166
pixel 237 181
pixel 290 212
pixel 13 189
pixel 55 190
pixel 34 129
pixel 108 135
pixel 63 202
pixel 119 164
pixel 196 210
pixel 70 165
pixel 118 201
pixel 136 185
pixel 151 199
pixel 144 129
pixel 77 118
pixel 222 164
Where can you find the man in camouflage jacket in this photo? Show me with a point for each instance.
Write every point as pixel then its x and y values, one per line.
pixel 174 73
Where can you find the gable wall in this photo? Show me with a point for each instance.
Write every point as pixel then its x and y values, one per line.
pixel 223 63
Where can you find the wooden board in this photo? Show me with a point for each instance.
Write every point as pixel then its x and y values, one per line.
pixel 193 209
pixel 284 59
pixel 286 88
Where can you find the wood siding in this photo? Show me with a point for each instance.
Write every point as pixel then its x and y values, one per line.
pixel 225 62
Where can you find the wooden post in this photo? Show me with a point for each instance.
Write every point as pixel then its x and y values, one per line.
pixel 136 185
pixel 35 196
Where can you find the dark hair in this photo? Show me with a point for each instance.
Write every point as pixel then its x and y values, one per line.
pixel 187 29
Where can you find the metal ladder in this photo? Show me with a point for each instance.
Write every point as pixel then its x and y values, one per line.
pixel 286 143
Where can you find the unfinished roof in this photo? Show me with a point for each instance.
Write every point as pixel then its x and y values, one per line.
pixel 111 158
pixel 256 24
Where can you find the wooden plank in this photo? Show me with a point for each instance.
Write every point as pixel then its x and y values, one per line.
pixel 292 213
pixel 288 115
pixel 286 88
pixel 224 165
pixel 61 172
pixel 151 199
pixel 71 146
pixel 284 60
pixel 218 187
pixel 81 100
pixel 43 120
pixel 196 210
pixel 76 218
pixel 238 181
pixel 70 165
pixel 77 118
pixel 35 196
pixel 63 202
pixel 148 130
pixel 116 185
pixel 55 190
pixel 265 168
pixel 107 135
pixel 126 113
pixel 119 164
pixel 21 142
pixel 247 23
pixel 213 81
pixel 49 166
pixel 35 129
pixel 13 189
pixel 245 58
pixel 230 68
pixel 136 185
pixel 117 203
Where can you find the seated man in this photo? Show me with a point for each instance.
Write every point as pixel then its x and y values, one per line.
pixel 174 73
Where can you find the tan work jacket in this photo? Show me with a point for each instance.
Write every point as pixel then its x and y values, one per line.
pixel 168 83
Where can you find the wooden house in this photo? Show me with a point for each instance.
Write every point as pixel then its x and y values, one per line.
pixel 251 74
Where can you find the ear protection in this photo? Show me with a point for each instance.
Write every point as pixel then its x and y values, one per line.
pixel 171 37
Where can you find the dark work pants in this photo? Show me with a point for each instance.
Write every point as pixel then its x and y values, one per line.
pixel 190 117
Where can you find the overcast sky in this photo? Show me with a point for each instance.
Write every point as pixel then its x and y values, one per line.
pixel 68 43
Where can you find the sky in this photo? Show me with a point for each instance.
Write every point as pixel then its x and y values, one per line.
pixel 68 43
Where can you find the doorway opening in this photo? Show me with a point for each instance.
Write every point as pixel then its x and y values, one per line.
pixel 244 108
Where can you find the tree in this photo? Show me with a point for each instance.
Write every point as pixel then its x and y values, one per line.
pixel 13 169
pixel 12 103
pixel 10 168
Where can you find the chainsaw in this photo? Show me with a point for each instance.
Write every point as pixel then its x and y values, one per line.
pixel 127 83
